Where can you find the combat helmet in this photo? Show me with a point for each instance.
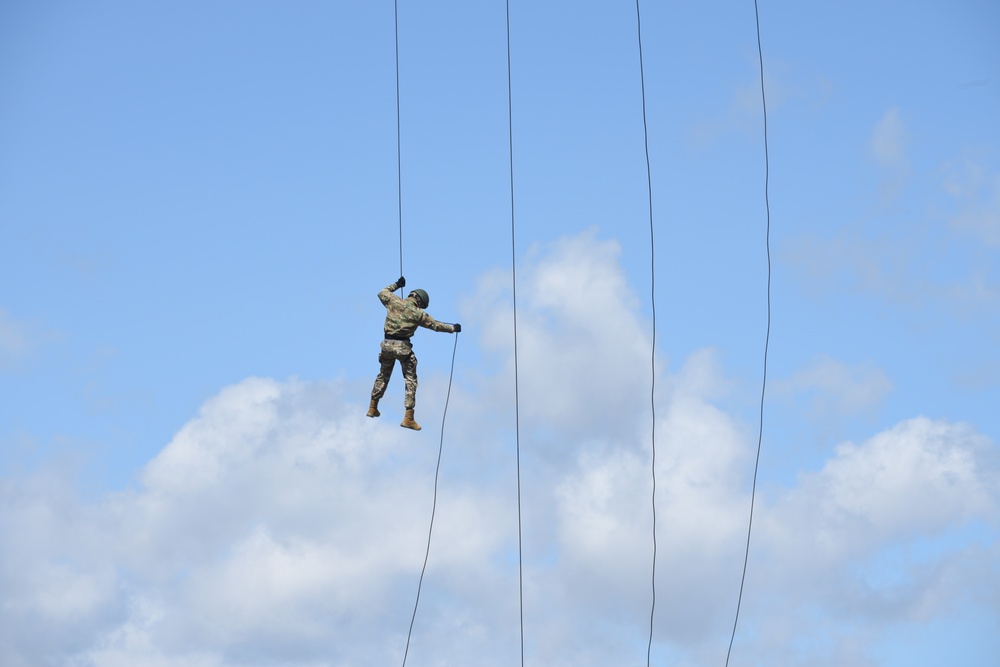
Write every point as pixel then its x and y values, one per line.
pixel 422 299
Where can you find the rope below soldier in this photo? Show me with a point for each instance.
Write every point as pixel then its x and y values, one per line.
pixel 402 318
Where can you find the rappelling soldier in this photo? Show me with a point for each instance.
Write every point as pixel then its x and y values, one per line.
pixel 402 318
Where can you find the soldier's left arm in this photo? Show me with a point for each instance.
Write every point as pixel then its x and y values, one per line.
pixel 430 323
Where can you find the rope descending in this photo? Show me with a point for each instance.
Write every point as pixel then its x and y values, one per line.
pixel 767 336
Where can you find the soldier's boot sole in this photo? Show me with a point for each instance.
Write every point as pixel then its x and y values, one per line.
pixel 408 421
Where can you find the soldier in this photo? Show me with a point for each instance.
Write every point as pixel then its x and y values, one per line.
pixel 402 318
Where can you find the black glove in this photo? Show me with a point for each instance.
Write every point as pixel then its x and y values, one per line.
pixel 458 328
pixel 401 282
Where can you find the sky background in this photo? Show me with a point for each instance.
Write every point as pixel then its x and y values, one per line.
pixel 198 206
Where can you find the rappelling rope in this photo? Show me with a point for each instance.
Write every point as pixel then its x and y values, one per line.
pixel 451 373
pixel 652 354
pixel 767 337
pixel 513 262
pixel 430 530
pixel 399 160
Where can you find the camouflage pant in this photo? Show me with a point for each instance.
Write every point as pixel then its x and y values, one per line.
pixel 391 351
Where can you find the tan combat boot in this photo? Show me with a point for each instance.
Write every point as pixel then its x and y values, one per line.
pixel 373 409
pixel 408 421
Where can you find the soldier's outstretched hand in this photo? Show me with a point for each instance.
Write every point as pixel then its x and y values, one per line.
pixel 401 282
pixel 458 328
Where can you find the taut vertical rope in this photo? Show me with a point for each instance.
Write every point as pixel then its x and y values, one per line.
pixel 652 354
pixel 399 161
pixel 767 335
pixel 513 261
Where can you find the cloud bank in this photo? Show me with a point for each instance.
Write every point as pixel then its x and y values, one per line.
pixel 282 527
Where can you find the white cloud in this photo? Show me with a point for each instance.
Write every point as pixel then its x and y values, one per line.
pixel 851 260
pixel 21 339
pixel 784 84
pixel 578 325
pixel 916 479
pixel 921 261
pixel 282 527
pixel 888 142
pixel 975 192
pixel 16 339
pixel 880 538
pixel 888 147
pixel 904 271
pixel 835 389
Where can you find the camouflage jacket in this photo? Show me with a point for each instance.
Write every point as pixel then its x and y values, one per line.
pixel 403 316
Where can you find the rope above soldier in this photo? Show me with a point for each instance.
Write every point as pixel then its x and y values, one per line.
pixel 402 318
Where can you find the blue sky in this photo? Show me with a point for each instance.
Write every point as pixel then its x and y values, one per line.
pixel 198 205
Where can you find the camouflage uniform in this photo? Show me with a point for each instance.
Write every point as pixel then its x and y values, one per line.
pixel 402 318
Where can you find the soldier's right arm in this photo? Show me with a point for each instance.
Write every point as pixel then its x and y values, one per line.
pixel 386 294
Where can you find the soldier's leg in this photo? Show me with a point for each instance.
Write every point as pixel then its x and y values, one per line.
pixel 409 364
pixel 386 361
